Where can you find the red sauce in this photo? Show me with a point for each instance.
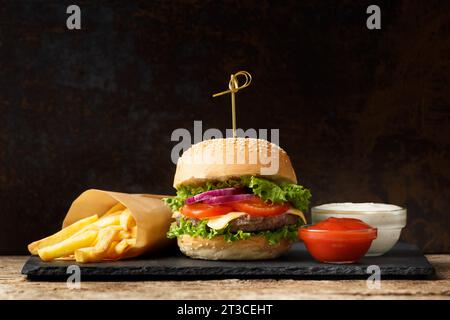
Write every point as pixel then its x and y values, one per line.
pixel 338 240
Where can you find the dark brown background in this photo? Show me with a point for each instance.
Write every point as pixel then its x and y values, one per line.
pixel 364 114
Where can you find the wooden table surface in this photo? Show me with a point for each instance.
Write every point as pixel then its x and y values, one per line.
pixel 13 285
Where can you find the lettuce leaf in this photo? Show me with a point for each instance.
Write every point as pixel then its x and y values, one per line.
pixel 297 195
pixel 268 190
pixel 202 230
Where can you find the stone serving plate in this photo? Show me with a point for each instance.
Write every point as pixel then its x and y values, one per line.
pixel 404 261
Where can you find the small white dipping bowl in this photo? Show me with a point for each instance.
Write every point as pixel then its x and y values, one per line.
pixel 389 219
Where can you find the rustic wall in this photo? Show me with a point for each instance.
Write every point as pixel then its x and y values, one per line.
pixel 364 114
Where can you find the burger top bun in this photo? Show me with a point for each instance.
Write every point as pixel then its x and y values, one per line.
pixel 221 159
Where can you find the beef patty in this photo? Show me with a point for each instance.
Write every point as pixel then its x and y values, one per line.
pixel 248 223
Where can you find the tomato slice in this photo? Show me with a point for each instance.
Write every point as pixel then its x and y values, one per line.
pixel 203 210
pixel 257 207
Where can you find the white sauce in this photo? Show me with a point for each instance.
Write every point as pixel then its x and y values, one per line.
pixel 350 206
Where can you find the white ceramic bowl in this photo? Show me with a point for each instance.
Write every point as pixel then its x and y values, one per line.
pixel 387 218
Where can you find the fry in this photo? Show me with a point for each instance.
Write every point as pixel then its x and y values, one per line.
pixel 111 253
pixel 84 255
pixel 127 220
pixel 108 221
pixel 62 234
pixel 68 246
pixel 106 237
pixel 67 258
pixel 124 235
pixel 120 247
pixel 117 207
pixel 124 245
pixel 134 232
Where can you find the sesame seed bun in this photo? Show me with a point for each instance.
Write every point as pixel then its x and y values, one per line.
pixel 221 159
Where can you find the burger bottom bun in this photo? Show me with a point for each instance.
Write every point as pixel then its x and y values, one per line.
pixel 254 248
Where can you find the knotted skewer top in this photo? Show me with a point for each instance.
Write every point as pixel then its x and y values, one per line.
pixel 234 87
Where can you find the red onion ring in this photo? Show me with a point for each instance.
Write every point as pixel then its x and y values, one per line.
pixel 213 193
pixel 227 199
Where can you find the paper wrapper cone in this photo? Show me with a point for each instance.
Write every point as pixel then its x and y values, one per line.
pixel 153 217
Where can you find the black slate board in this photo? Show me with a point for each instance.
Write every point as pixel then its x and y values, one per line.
pixel 403 261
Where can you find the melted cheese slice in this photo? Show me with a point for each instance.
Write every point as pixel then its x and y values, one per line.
pixel 297 212
pixel 220 222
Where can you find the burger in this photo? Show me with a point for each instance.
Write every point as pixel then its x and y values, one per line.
pixel 233 204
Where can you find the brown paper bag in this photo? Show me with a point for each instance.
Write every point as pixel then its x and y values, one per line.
pixel 152 216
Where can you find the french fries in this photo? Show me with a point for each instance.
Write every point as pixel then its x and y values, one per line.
pixel 68 246
pixel 91 239
pixel 61 235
